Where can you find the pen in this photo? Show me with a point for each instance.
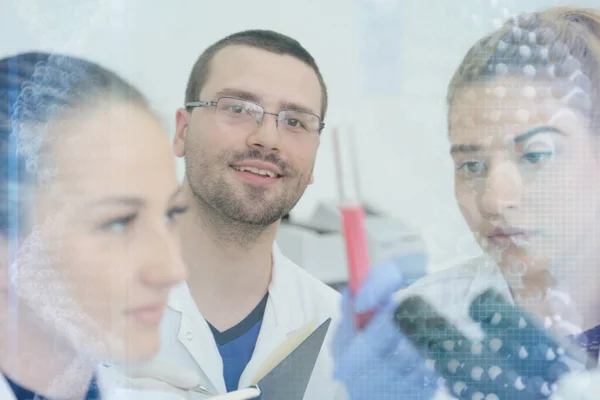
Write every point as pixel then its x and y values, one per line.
pixel 203 390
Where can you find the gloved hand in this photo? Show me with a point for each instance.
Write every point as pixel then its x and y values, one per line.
pixel 156 377
pixel 379 362
pixel 516 359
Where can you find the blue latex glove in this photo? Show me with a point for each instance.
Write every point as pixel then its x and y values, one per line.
pixel 379 362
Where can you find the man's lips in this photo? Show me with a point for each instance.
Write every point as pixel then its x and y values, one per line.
pixel 259 168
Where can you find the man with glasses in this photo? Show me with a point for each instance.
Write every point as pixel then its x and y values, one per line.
pixel 249 132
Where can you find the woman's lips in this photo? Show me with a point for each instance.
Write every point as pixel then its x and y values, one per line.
pixel 149 315
pixel 504 237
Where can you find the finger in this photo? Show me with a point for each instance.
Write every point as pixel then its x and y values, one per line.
pixel 382 281
pixel 413 366
pixel 369 347
pixel 345 331
pixel 387 278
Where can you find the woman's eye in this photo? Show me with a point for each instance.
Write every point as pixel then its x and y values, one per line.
pixel 537 156
pixel 119 225
pixel 471 168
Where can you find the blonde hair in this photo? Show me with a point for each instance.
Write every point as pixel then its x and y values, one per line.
pixel 560 42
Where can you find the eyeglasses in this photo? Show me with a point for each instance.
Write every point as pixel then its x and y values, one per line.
pixel 243 114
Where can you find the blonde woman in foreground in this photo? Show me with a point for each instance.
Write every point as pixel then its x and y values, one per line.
pixel 88 200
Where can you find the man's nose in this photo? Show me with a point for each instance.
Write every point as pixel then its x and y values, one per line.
pixel 266 134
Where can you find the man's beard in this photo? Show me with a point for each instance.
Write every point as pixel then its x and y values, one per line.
pixel 247 205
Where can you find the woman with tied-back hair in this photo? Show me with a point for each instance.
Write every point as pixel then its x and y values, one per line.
pixel 88 199
pixel 524 133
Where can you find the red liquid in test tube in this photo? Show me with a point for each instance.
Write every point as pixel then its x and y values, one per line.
pixel 353 215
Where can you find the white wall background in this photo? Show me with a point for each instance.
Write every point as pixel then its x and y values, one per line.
pixel 404 165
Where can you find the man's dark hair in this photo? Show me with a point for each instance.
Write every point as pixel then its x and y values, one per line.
pixel 260 39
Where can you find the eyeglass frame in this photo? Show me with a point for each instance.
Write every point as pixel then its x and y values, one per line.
pixel 194 104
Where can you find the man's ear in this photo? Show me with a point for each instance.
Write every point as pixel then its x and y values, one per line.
pixel 182 118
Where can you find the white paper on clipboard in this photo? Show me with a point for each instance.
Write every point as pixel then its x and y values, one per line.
pixel 379 30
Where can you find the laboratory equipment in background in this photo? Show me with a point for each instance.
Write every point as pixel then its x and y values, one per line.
pixel 342 241
pixel 318 245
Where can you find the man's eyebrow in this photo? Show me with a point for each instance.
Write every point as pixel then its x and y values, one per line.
pixel 465 148
pixel 537 130
pixel 289 105
pixel 246 95
pixel 239 93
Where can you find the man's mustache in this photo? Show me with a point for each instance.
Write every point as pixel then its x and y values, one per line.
pixel 271 157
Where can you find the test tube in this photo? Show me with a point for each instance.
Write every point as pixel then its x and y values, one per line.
pixel 352 213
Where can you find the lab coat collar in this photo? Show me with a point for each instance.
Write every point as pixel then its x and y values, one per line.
pixel 104 382
pixel 282 285
pixel 5 390
pixel 195 335
pixel 286 306
pixel 283 314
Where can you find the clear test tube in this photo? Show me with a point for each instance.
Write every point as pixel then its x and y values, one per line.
pixel 352 212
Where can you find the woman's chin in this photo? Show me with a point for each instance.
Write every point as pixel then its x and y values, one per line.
pixel 141 348
pixel 130 350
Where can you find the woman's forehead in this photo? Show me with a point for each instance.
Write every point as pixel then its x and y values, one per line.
pixel 110 147
pixel 510 105
pixel 109 132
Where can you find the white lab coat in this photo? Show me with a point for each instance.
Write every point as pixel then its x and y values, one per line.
pixel 5 391
pixel 108 390
pixel 295 298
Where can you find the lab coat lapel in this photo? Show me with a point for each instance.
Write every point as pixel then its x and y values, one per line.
pixel 6 392
pixel 195 334
pixel 271 335
pixel 283 315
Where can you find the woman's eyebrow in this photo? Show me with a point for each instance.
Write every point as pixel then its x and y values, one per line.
pixel 537 130
pixel 465 148
pixel 119 200
pixel 472 148
pixel 131 201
